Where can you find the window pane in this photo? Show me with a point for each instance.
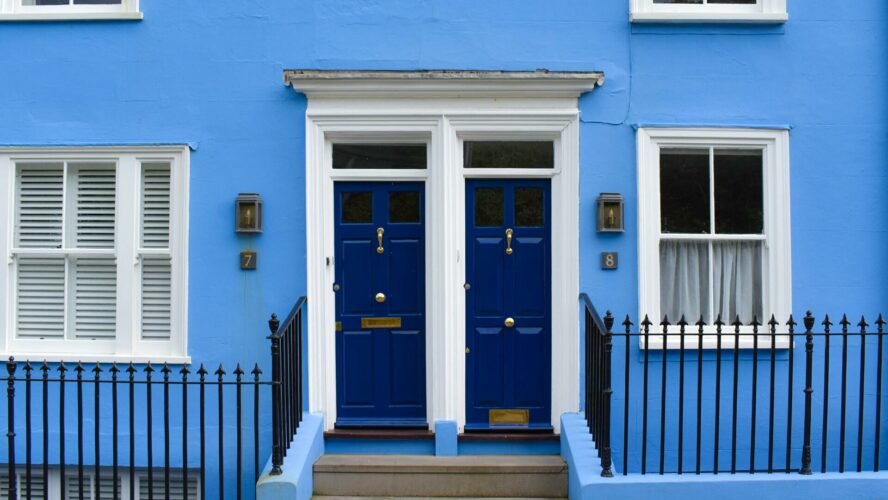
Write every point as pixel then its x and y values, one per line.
pixel 157 298
pixel 684 190
pixel 509 154
pixel 41 297
pixel 735 2
pixel 489 207
pixel 357 208
pixel 684 280
pixel 737 280
pixel 96 200
pixel 156 205
pixel 39 206
pixel 528 207
pixel 679 1
pixel 404 207
pixel 74 2
pixel 739 206
pixel 95 298
pixel 381 156
pixel 98 2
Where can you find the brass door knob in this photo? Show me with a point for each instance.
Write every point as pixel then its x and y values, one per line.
pixel 510 322
pixel 380 297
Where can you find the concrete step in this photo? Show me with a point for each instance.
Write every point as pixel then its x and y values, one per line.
pixel 421 476
pixel 316 497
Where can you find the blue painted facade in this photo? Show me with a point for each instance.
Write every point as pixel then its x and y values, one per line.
pixel 209 74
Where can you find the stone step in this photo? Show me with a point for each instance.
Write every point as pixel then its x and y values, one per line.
pixel 421 476
pixel 317 497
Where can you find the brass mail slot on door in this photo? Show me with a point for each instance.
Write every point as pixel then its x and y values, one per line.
pixel 380 322
pixel 509 417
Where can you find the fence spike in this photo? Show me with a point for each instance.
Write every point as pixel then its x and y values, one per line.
pixel 665 323
pixel 737 323
pixel 880 321
pixel 256 370
pixel 166 369
pixel 149 369
pixel 791 323
pixel 863 324
pixel 718 321
pixel 700 322
pixel 202 371
pixel 773 323
pixel 28 367
pixel 220 371
pixel 682 322
pixel 79 368
pixel 237 371
pixel 627 322
pixel 114 369
pixel 646 324
pixel 131 369
pixel 755 322
pixel 184 371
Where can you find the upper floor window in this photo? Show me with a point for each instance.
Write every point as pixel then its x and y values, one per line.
pixel 714 225
pixel 708 10
pixel 69 9
pixel 96 243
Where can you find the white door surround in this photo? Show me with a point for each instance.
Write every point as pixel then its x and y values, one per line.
pixel 442 109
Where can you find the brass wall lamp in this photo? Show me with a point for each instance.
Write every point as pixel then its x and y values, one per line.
pixel 610 213
pixel 248 213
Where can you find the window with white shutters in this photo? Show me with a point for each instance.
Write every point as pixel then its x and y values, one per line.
pixel 84 281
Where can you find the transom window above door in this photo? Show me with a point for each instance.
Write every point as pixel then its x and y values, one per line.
pixel 713 225
pixel 509 154
pixel 69 9
pixel 708 10
pixel 380 156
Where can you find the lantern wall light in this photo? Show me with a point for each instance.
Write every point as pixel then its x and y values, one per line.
pixel 248 213
pixel 610 213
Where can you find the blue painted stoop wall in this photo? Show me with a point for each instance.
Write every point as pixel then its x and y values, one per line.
pixel 585 481
pixel 296 481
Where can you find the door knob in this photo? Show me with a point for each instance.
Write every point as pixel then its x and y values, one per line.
pixel 380 297
pixel 379 233
pixel 508 242
pixel 510 322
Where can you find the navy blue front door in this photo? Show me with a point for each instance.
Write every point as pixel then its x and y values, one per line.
pixel 508 304
pixel 380 304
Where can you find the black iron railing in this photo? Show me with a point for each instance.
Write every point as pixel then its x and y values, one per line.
pixel 102 430
pixel 702 405
pixel 286 403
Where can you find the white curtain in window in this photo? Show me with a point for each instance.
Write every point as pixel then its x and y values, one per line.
pixel 737 280
pixel 684 280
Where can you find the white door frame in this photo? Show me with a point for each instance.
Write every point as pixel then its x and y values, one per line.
pixel 443 123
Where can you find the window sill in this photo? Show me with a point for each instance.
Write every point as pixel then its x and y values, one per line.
pixel 703 17
pixel 73 16
pixel 710 342
pixel 99 358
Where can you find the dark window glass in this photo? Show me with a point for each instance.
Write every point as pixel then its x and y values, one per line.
pixel 357 208
pixel 739 206
pixel 528 207
pixel 489 207
pixel 684 190
pixel 76 2
pixel 381 156
pixel 509 154
pixel 404 207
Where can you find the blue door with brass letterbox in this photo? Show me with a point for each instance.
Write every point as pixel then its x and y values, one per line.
pixel 380 304
pixel 508 304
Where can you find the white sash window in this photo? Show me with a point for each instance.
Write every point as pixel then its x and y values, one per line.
pixel 761 11
pixel 96 248
pixel 49 10
pixel 713 228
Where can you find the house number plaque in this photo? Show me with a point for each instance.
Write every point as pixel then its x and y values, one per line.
pixel 610 260
pixel 248 260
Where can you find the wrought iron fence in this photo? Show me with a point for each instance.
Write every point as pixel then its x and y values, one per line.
pixel 128 432
pixel 728 403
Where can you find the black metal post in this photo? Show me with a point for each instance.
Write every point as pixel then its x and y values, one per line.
pixel 809 391
pixel 10 434
pixel 276 396
pixel 607 469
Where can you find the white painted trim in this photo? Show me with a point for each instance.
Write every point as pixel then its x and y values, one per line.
pixel 127 345
pixel 14 10
pixel 444 123
pixel 765 11
pixel 441 84
pixel 777 282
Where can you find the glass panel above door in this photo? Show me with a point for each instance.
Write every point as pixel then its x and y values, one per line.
pixel 509 154
pixel 380 156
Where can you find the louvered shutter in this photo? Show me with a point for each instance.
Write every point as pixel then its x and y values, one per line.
pixel 39 205
pixel 95 298
pixel 95 206
pixel 155 205
pixel 41 297
pixel 156 270
pixel 177 487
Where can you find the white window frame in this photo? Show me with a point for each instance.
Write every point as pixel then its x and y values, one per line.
pixel 128 345
pixel 765 11
pixel 15 10
pixel 776 264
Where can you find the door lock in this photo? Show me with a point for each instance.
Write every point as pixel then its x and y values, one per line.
pixel 380 297
pixel 336 287
pixel 510 322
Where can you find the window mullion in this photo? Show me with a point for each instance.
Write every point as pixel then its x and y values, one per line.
pixel 711 266
pixel 127 264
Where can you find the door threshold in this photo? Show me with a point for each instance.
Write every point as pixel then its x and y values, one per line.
pixel 379 433
pixel 475 435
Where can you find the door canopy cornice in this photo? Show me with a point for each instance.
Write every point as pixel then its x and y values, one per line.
pixel 442 83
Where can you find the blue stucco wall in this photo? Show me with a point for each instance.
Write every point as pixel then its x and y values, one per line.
pixel 209 74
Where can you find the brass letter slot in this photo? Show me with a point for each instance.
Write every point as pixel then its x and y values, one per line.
pixel 380 322
pixel 509 417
